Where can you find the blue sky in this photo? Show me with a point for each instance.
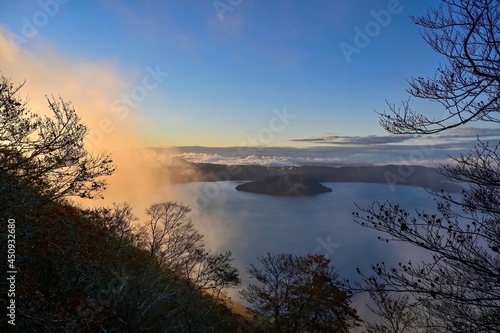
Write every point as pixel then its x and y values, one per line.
pixel 232 65
pixel 226 73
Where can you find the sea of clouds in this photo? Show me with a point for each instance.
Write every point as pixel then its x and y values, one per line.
pixel 344 150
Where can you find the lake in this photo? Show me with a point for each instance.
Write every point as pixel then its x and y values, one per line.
pixel 251 224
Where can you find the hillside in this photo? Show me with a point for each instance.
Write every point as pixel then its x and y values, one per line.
pixel 90 270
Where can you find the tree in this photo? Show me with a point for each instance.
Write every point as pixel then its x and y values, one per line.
pixel 467 34
pixel 118 220
pixel 298 294
pixel 173 243
pixel 462 280
pixel 48 153
pixel 43 160
pixel 82 270
pixel 170 237
pixel 394 315
pixel 459 286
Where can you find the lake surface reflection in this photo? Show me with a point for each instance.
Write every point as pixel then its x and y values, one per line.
pixel 251 224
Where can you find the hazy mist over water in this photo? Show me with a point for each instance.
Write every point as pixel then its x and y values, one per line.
pixel 250 224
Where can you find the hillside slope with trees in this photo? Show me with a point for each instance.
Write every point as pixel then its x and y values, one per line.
pixel 94 270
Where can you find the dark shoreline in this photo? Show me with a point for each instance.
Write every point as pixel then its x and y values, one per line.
pixel 410 175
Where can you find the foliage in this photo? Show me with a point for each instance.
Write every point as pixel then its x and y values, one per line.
pixel 83 270
pixel 467 34
pixel 298 294
pixel 463 277
pixel 458 288
pixel 87 270
pixel 394 315
pixel 170 239
pixel 48 153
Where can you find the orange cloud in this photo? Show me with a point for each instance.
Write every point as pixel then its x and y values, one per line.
pixel 107 98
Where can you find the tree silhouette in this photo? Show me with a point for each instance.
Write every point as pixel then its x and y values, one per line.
pixel 298 294
pixel 467 34
pixel 48 153
pixel 172 242
pixel 458 288
pixel 394 315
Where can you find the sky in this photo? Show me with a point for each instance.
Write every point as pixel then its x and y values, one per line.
pixel 226 73
pixel 298 79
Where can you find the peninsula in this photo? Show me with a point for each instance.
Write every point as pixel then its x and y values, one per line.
pixel 287 185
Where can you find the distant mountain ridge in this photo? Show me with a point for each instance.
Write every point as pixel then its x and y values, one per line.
pixel 411 175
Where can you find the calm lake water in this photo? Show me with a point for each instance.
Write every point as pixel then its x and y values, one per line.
pixel 252 224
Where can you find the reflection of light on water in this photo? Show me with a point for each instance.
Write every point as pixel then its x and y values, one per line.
pixel 251 224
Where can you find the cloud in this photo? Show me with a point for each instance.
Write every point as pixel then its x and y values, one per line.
pixel 357 140
pixel 466 133
pixel 470 133
pixel 95 89
pixel 333 156
pixel 274 161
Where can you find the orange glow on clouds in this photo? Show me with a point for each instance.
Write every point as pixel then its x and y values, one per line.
pixel 96 90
